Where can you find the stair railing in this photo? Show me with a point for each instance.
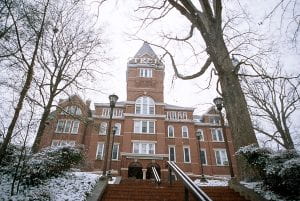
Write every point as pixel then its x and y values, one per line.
pixel 156 176
pixel 189 185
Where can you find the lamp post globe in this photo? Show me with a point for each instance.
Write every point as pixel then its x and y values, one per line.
pixel 112 100
pixel 219 103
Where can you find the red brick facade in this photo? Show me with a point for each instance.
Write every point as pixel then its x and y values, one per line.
pixel 149 129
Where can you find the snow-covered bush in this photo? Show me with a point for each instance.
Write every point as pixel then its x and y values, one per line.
pixel 280 171
pixel 52 161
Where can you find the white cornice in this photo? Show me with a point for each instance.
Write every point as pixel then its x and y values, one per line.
pixel 145 116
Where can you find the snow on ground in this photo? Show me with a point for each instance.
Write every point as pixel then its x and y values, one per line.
pixel 211 182
pixel 68 187
pixel 268 195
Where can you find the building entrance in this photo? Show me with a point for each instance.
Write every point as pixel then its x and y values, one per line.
pixel 135 170
pixel 149 173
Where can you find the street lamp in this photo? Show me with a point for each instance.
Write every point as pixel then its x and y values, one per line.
pixel 219 102
pixel 112 103
pixel 110 153
pixel 202 178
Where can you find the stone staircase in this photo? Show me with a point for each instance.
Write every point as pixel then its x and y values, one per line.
pixel 145 190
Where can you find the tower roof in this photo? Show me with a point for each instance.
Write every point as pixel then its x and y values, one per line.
pixel 145 49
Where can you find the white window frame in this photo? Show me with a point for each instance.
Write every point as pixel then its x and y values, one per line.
pixel 112 153
pixel 118 128
pixel 145 105
pixel 183 128
pixel 173 130
pixel 102 144
pixel 69 123
pixel 217 135
pixel 184 154
pixel 72 110
pixel 139 147
pixel 58 126
pixel 145 72
pixel 223 157
pixel 199 130
pixel 55 143
pixel 103 129
pixel 138 126
pixel 169 148
pixel 205 156
pixel 74 130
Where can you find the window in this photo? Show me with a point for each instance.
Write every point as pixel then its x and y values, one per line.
pixel 103 128
pixel 145 72
pixel 203 157
pixel 116 112
pixel 186 154
pixel 217 135
pixel 118 129
pixel 173 115
pixel 67 126
pixel 170 131
pixel 221 157
pixel 143 148
pixel 144 105
pixel 185 132
pixel 55 143
pixel 75 127
pixel 172 154
pixel 201 135
pixel 215 120
pixel 62 143
pixel 115 152
pixel 100 151
pixel 60 126
pixel 143 126
pixel 73 110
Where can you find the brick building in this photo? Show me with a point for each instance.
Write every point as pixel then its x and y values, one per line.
pixel 148 131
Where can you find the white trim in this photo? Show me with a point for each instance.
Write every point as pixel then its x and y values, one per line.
pixel 222 162
pixel 144 115
pixel 171 126
pixel 112 151
pixel 172 146
pixel 187 131
pixel 102 155
pixel 206 163
pixel 146 141
pixel 184 156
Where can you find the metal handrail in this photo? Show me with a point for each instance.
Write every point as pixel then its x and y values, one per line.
pixel 188 183
pixel 156 176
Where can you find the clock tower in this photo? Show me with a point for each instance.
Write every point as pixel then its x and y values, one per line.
pixel 145 75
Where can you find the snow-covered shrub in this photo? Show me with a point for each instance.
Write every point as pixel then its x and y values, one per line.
pixel 280 171
pixel 52 161
pixel 11 158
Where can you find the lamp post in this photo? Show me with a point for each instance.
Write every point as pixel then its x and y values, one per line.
pixel 110 153
pixel 202 178
pixel 219 104
pixel 112 102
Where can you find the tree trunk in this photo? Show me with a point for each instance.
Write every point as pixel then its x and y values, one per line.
pixel 42 125
pixel 17 113
pixel 235 105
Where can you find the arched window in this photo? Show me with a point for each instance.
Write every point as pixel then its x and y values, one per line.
pixel 185 131
pixel 118 128
pixel 103 128
pixel 170 131
pixel 144 105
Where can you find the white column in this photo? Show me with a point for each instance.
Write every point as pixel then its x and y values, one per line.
pixel 144 173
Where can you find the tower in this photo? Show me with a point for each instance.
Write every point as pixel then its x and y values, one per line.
pixel 145 75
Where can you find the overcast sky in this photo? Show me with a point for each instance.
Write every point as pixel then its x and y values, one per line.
pixel 119 20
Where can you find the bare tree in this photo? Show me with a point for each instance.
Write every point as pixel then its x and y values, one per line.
pixel 273 100
pixel 34 23
pixel 206 23
pixel 70 51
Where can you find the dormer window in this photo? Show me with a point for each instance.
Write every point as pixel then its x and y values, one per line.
pixel 145 72
pixel 72 110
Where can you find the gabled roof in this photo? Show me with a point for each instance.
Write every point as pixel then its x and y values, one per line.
pixel 145 50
